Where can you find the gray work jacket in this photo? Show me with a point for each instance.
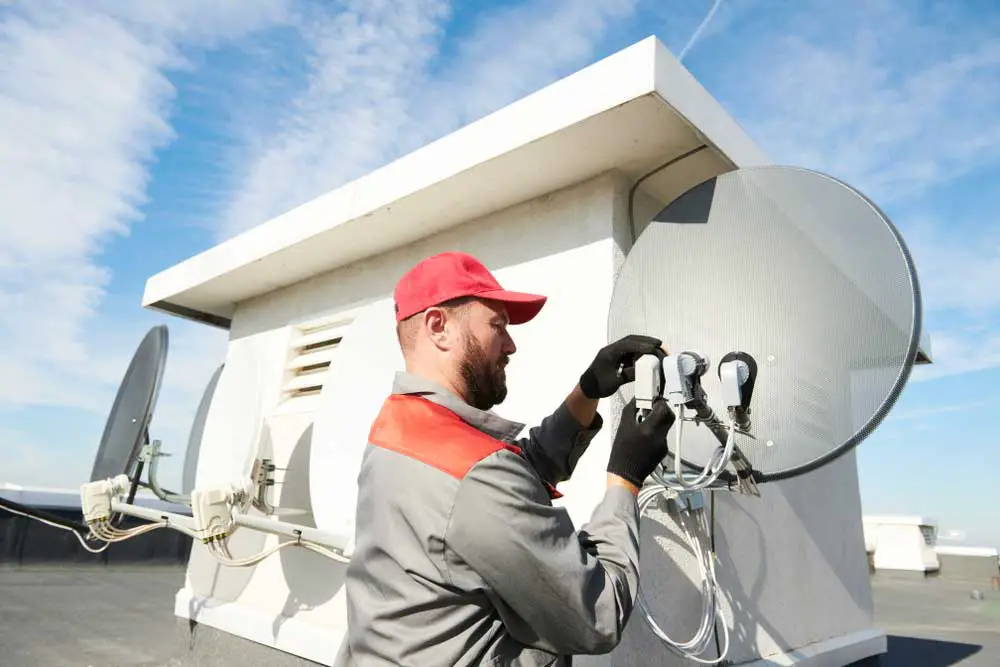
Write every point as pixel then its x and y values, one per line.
pixel 460 557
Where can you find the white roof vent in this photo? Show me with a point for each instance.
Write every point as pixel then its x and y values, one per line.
pixel 313 346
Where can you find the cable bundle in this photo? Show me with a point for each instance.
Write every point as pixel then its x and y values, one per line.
pixel 21 510
pixel 678 486
pixel 693 523
pixel 109 533
pixel 220 551
pixel 709 474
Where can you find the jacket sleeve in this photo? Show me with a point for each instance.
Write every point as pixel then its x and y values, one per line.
pixel 554 446
pixel 557 589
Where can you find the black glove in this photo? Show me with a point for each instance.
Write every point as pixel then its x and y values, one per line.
pixel 614 365
pixel 640 446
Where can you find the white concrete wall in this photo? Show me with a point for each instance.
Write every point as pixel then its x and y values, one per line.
pixel 792 563
pixel 559 245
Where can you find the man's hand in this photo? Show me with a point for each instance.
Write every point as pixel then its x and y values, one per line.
pixel 614 365
pixel 640 446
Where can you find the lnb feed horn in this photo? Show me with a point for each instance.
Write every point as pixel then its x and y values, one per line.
pixel 737 373
pixel 681 373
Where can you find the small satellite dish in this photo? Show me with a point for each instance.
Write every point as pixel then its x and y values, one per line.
pixel 360 379
pixel 197 432
pixel 804 274
pixel 126 429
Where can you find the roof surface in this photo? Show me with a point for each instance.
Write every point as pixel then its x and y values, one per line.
pixel 124 616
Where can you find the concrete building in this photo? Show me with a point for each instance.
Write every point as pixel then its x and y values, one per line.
pixel 902 543
pixel 541 192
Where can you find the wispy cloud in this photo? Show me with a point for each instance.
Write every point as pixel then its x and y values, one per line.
pixel 379 86
pixel 85 102
pixel 958 264
pixel 959 268
pixel 364 62
pixel 909 415
pixel 891 96
pixel 952 535
pixel 82 109
pixel 489 70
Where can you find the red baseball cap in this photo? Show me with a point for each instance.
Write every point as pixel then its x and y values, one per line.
pixel 450 275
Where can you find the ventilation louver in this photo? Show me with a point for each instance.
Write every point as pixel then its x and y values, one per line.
pixel 314 345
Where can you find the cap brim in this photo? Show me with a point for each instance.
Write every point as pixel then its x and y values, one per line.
pixel 521 306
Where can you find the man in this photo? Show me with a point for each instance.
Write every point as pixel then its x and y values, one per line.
pixel 460 557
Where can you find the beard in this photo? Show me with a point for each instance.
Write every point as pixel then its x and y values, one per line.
pixel 485 380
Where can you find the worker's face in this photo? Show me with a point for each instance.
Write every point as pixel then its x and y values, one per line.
pixel 486 350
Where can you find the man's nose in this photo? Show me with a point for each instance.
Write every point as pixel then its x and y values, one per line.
pixel 508 344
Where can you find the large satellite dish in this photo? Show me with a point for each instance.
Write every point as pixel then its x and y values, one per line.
pixel 126 429
pixel 804 274
pixel 360 379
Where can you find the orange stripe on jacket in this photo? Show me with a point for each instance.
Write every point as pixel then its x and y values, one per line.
pixel 430 433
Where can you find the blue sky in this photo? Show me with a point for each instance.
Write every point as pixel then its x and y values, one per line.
pixel 138 134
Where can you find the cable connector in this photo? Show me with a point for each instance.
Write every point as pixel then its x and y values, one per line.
pixel 648 381
pixel 690 501
pixel 95 497
pixel 213 513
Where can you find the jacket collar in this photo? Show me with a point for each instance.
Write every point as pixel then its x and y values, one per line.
pixel 488 422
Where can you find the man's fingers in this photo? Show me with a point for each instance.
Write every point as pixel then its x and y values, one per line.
pixel 630 348
pixel 637 345
pixel 661 414
pixel 628 412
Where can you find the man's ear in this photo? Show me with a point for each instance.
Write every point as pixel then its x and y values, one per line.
pixel 435 324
